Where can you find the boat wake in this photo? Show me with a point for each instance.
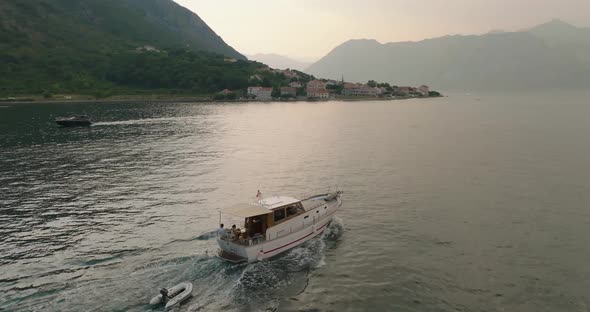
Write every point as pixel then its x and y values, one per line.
pixel 207 235
pixel 262 284
pixel 145 121
pixel 334 232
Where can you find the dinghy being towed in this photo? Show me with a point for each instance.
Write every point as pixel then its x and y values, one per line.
pixel 173 296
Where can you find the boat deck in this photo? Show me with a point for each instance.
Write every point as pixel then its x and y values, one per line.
pixel 314 202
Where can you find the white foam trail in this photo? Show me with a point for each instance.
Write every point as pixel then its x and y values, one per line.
pixel 143 121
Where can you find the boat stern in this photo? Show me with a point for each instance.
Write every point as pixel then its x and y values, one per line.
pixel 232 252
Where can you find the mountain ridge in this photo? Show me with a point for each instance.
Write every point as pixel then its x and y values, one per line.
pixel 508 60
pixel 279 61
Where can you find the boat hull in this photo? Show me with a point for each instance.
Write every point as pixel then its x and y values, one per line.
pixel 290 235
pixel 74 123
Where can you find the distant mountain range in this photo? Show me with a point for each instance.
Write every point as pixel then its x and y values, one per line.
pixel 279 61
pixel 551 55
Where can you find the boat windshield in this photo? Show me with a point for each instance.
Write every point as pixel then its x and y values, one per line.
pixel 286 212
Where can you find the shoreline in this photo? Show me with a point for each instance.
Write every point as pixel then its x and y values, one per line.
pixel 203 100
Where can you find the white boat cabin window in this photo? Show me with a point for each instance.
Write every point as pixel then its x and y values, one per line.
pixel 279 214
pixel 287 212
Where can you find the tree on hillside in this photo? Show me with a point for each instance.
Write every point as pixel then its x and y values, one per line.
pixel 336 88
pixel 276 92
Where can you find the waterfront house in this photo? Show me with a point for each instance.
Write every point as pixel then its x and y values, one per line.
pixel 404 90
pixel 350 89
pixel 321 93
pixel 316 84
pixel 260 93
pixel 424 90
pixel 360 90
pixel 253 91
pixel 296 84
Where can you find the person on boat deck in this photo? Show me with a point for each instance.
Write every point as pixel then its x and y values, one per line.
pixel 235 232
pixel 221 231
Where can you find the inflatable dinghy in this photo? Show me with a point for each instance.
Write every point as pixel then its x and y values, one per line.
pixel 173 296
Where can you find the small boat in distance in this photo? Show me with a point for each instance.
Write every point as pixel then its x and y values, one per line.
pixel 75 121
pixel 274 225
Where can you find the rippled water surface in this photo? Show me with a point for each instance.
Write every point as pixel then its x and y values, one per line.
pixel 466 203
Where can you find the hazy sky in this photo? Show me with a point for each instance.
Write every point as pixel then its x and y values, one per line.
pixel 311 28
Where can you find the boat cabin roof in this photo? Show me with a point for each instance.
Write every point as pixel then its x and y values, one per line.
pixel 278 201
pixel 246 210
pixel 265 206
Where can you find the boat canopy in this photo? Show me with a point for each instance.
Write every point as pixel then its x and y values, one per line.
pixel 278 201
pixel 246 210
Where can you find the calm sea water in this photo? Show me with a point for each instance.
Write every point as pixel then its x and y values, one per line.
pixel 466 203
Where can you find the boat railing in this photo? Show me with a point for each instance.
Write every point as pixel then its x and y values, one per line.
pixel 250 241
pixel 319 204
pixel 319 192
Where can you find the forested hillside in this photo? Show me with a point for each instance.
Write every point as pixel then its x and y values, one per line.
pixel 106 47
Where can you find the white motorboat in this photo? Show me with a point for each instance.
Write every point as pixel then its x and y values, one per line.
pixel 173 296
pixel 276 224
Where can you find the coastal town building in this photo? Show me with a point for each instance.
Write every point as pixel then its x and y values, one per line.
pixel 260 93
pixel 424 90
pixel 320 93
pixel 225 92
pixel 316 84
pixel 350 89
pixel 296 84
pixel 404 90
pixel 360 90
pixel 288 91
